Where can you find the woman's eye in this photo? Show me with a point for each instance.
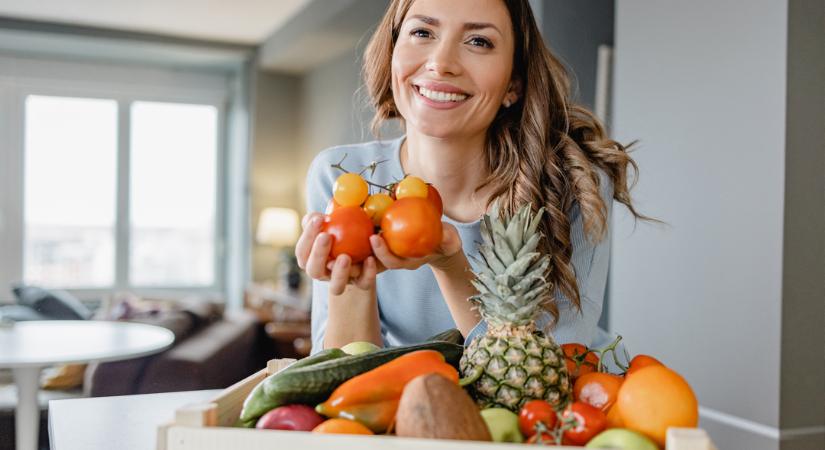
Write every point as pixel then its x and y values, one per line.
pixel 420 33
pixel 480 42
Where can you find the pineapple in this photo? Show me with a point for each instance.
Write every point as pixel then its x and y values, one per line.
pixel 513 363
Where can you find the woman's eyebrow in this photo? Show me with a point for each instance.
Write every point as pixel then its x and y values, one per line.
pixel 471 26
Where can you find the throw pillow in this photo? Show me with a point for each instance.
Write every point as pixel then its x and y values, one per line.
pixel 64 377
pixel 52 304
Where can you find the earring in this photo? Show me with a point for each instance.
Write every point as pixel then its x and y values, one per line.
pixel 507 103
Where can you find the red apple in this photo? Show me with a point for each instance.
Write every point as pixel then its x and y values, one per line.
pixel 290 417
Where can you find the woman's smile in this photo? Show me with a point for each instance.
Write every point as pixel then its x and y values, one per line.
pixel 440 95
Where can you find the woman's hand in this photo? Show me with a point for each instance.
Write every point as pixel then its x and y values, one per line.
pixel 443 256
pixel 312 252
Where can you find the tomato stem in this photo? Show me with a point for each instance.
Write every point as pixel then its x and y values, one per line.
pixel 612 349
pixel 372 166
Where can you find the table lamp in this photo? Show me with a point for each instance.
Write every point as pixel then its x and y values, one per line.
pixel 280 228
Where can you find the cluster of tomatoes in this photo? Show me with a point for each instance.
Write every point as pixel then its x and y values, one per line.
pixel 407 215
pixel 647 398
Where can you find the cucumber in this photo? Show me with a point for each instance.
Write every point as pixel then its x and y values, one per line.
pixel 314 384
pixel 451 335
pixel 257 403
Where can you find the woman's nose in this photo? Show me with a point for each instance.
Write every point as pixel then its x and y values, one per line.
pixel 443 60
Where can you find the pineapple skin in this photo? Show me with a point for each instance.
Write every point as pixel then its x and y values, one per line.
pixel 514 368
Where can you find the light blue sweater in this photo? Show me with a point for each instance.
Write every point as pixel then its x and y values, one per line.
pixel 411 307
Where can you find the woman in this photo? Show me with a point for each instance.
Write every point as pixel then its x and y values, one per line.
pixel 487 117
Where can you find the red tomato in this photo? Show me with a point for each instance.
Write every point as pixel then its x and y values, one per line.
pixel 350 229
pixel 412 227
pixel 435 198
pixel 541 439
pixel 332 205
pixel 590 421
pixel 579 360
pixel 533 412
pixel 640 361
pixel 598 389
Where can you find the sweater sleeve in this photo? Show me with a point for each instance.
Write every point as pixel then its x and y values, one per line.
pixel 319 183
pixel 590 264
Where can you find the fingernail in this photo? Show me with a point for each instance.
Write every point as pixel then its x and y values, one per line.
pixel 323 239
pixel 341 261
pixel 376 242
pixel 316 221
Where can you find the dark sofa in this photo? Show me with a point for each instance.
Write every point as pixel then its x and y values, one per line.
pixel 211 355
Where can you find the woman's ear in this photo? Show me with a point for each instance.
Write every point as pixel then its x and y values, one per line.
pixel 513 93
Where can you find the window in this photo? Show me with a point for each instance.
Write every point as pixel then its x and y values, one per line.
pixel 70 184
pixel 117 178
pixel 173 185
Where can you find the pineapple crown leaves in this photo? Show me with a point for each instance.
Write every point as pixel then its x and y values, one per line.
pixel 511 276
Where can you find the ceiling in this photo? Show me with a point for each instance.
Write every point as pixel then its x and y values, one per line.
pixel 235 21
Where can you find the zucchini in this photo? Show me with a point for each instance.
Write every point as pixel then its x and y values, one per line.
pixel 314 384
pixel 257 403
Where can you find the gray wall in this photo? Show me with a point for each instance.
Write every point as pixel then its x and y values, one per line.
pixel 274 179
pixel 706 292
pixel 574 31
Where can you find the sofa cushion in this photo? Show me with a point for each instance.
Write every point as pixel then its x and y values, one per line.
pixel 52 304
pixel 19 313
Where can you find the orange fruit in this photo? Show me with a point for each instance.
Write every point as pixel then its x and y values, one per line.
pixel 342 426
pixel 614 418
pixel 640 361
pixel 350 190
pixel 376 205
pixel 654 399
pixel 598 389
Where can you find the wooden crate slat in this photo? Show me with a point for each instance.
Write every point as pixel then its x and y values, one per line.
pixel 188 438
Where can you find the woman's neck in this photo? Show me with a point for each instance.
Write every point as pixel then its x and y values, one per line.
pixel 456 167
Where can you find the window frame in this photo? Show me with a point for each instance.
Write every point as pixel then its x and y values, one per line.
pixel 124 85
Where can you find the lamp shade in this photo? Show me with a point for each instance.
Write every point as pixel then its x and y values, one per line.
pixel 278 227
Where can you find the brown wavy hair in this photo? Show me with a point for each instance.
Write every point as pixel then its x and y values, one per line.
pixel 543 150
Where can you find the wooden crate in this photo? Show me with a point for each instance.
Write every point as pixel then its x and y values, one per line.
pixel 208 426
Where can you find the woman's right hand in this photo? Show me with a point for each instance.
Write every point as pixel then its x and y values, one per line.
pixel 313 253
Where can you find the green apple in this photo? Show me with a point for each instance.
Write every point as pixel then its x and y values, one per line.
pixel 621 439
pixel 356 348
pixel 503 424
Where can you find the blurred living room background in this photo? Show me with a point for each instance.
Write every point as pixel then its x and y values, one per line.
pixel 153 158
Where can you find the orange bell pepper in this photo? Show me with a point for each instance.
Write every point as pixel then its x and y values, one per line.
pixel 372 398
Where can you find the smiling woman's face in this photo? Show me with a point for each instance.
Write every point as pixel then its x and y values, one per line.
pixel 451 66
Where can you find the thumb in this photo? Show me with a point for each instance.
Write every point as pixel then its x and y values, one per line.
pixel 450 240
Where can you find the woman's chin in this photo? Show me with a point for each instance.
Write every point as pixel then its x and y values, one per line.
pixel 436 130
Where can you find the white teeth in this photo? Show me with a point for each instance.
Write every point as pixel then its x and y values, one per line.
pixel 441 96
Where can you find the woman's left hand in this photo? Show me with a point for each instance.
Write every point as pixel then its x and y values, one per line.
pixel 443 255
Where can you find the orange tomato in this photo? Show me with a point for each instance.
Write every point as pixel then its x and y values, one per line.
pixel 656 398
pixel 614 417
pixel 434 197
pixel 597 389
pixel 376 205
pixel 350 190
pixel 412 227
pixel 342 426
pixel 640 361
pixel 350 229
pixel 579 360
pixel 411 186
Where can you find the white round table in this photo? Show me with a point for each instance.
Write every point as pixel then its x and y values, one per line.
pixel 28 347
